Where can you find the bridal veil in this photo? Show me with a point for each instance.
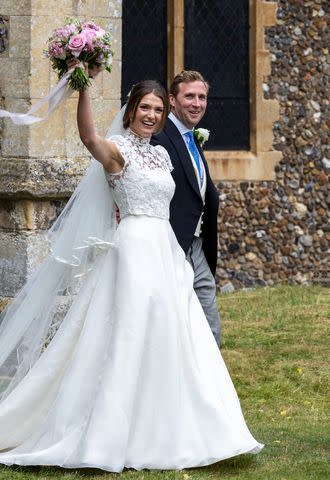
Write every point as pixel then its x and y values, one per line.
pixel 85 227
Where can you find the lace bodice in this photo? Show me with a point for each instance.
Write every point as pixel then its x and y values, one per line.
pixel 144 186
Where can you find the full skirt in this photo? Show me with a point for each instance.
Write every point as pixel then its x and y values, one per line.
pixel 133 376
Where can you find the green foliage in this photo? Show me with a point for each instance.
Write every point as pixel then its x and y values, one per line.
pixel 275 344
pixel 79 80
pixel 59 66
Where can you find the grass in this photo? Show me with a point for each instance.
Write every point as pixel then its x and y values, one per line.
pixel 275 343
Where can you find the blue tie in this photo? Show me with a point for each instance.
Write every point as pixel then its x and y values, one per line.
pixel 194 152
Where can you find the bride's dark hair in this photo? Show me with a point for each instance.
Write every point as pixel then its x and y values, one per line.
pixel 139 90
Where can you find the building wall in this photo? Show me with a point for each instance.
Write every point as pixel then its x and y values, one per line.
pixel 40 165
pixel 269 231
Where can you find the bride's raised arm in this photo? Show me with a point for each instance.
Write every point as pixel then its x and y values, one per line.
pixel 105 151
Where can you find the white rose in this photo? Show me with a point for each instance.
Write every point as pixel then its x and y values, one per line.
pixel 205 133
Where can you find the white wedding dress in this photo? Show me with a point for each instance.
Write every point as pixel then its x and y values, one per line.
pixel 133 376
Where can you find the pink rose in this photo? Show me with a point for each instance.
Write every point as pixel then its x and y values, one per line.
pixel 76 44
pixel 64 33
pixel 90 37
pixel 93 29
pixel 57 51
pixel 92 26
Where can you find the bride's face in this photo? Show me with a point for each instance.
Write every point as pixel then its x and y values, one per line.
pixel 148 116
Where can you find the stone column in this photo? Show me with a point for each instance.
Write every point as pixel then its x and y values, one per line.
pixel 40 165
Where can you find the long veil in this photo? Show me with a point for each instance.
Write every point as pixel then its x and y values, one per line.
pixel 85 228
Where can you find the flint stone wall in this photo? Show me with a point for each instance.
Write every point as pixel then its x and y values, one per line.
pixel 279 231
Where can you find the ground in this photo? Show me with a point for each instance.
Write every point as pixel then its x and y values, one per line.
pixel 275 343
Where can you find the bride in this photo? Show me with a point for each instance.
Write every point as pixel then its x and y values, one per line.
pixel 106 357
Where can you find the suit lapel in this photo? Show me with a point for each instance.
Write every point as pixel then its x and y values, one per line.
pixel 175 137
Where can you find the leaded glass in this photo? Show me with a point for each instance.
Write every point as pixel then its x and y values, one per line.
pixel 144 43
pixel 216 44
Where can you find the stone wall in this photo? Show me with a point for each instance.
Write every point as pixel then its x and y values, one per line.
pixel 40 165
pixel 280 230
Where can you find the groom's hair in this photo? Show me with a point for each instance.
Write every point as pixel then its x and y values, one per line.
pixel 139 90
pixel 187 76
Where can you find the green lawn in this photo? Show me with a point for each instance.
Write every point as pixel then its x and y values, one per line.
pixel 275 345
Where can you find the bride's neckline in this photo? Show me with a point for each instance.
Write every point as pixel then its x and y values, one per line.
pixel 137 138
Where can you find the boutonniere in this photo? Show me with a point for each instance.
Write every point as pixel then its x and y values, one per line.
pixel 201 135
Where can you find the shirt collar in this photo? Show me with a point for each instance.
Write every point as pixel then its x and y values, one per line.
pixel 179 125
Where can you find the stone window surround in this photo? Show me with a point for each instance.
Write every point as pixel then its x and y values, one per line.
pixel 258 163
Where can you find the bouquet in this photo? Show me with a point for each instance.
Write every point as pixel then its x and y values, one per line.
pixel 85 41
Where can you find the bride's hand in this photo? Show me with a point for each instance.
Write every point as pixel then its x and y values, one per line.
pixel 90 72
pixel 73 63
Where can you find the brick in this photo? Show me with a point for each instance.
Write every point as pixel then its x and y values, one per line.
pixel 13 268
pixel 96 8
pixel 105 8
pixel 43 8
pixel 15 138
pixel 20 36
pixel 47 138
pixel 54 178
pixel 40 78
pixel 19 256
pixel 41 29
pixel 73 145
pixel 112 82
pixel 15 7
pixel 20 215
pixel 104 113
pixel 15 77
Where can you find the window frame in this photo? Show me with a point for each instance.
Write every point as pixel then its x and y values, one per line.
pixel 259 162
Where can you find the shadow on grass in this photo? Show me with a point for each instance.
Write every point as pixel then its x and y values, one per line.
pixel 231 466
pixel 49 472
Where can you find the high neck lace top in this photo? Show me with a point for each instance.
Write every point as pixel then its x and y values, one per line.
pixel 145 185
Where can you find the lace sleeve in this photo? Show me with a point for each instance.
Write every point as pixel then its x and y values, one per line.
pixel 119 140
pixel 165 156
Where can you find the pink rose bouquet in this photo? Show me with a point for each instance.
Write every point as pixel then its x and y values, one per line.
pixel 86 41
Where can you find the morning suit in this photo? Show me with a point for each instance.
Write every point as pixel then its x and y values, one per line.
pixel 186 209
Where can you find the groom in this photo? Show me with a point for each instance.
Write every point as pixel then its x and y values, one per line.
pixel 194 207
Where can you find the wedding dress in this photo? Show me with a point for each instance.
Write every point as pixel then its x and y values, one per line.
pixel 131 376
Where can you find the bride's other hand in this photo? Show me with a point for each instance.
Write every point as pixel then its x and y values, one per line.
pixel 93 72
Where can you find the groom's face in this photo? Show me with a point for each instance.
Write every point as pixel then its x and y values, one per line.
pixel 189 104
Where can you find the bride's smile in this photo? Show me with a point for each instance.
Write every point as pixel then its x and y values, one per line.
pixel 148 116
